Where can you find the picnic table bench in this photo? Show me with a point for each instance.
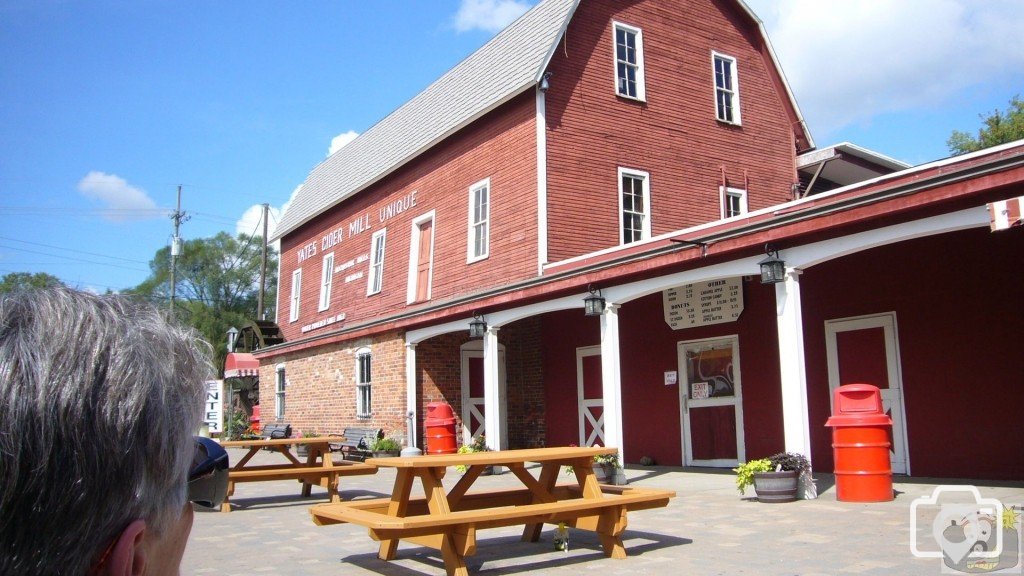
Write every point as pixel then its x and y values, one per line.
pixel 318 468
pixel 449 521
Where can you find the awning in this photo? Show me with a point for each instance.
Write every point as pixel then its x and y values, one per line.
pixel 241 365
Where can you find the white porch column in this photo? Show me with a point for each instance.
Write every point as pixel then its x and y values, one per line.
pixel 611 379
pixel 493 395
pixel 791 365
pixel 410 391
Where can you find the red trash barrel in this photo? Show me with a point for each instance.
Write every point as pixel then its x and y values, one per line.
pixel 860 444
pixel 440 429
pixel 254 420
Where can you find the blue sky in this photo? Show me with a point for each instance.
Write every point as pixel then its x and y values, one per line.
pixel 106 106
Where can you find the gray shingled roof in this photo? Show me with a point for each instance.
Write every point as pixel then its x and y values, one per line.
pixel 510 63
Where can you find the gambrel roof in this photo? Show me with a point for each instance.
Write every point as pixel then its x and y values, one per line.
pixel 507 65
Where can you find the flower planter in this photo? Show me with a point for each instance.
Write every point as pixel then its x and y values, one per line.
pixel 775 487
pixel 386 454
pixel 609 474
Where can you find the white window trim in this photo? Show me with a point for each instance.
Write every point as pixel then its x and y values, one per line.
pixel 326 281
pixel 280 390
pixel 641 91
pixel 735 77
pixel 646 229
pixel 296 299
pixel 725 192
pixel 359 385
pixel 376 275
pixel 414 250
pixel 470 236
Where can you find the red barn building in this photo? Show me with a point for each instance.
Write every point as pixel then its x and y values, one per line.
pixel 646 152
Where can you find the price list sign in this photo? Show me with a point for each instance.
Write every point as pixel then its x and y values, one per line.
pixel 704 303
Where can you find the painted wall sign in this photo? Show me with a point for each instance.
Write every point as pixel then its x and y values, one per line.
pixel 703 303
pixel 213 405
pixel 324 322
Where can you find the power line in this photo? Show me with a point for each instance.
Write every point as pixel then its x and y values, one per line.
pixel 74 259
pixel 72 250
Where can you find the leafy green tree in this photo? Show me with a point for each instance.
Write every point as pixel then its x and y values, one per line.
pixel 216 285
pixel 20 280
pixel 998 128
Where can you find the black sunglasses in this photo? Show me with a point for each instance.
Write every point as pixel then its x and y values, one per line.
pixel 208 477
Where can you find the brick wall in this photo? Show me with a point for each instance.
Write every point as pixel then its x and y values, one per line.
pixel 321 391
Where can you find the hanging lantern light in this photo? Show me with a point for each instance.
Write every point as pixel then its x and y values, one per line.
pixel 773 268
pixel 477 327
pixel 593 305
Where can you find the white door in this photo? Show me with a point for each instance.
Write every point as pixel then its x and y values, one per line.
pixel 589 393
pixel 711 402
pixel 473 388
pixel 865 350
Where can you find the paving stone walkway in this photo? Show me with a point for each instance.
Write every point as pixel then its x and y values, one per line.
pixel 707 529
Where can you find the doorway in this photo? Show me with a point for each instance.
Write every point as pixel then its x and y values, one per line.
pixel 711 402
pixel 473 422
pixel 865 350
pixel 590 395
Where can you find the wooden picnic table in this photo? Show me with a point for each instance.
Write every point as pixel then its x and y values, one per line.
pixel 449 521
pixel 318 468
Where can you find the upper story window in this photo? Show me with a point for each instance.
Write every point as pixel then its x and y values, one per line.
pixel 734 201
pixel 634 205
pixel 727 88
pixel 364 382
pixel 629 61
pixel 479 221
pixel 279 386
pixel 293 313
pixel 376 280
pixel 326 279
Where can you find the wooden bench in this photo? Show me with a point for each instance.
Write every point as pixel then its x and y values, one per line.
pixel 493 509
pixel 357 442
pixel 324 476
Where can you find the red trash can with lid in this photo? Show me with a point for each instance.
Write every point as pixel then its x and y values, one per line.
pixel 440 429
pixel 860 444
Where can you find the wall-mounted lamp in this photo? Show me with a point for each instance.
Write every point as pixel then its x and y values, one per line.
pixel 593 305
pixel 773 269
pixel 232 338
pixel 477 327
pixel 544 81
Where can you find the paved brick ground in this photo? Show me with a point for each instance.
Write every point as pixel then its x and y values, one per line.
pixel 707 529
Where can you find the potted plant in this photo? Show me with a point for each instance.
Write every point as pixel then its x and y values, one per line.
pixel 608 470
pixel 775 478
pixel 385 447
pixel 302 450
pixel 478 444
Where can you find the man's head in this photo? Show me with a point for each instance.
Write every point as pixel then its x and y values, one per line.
pixel 99 398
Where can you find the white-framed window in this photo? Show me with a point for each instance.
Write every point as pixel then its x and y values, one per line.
pixel 727 88
pixel 478 240
pixel 364 382
pixel 293 313
pixel 376 280
pixel 629 61
pixel 279 386
pixel 326 279
pixel 634 205
pixel 734 201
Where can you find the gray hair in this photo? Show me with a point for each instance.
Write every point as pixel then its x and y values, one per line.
pixel 99 398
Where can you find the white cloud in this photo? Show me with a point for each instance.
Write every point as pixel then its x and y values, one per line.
pixel 341 140
pixel 124 201
pixel 848 62
pixel 488 15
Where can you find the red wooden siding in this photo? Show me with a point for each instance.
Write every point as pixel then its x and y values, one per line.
pixel 673 135
pixel 501 146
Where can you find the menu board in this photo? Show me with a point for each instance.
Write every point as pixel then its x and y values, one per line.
pixel 704 303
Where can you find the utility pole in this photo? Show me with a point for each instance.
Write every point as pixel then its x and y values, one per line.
pixel 178 217
pixel 263 265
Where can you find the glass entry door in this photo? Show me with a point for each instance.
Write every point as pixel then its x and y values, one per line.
pixel 710 402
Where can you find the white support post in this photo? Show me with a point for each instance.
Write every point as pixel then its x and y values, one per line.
pixel 493 397
pixel 611 379
pixel 410 391
pixel 792 368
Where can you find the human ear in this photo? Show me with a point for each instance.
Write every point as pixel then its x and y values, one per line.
pixel 128 557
